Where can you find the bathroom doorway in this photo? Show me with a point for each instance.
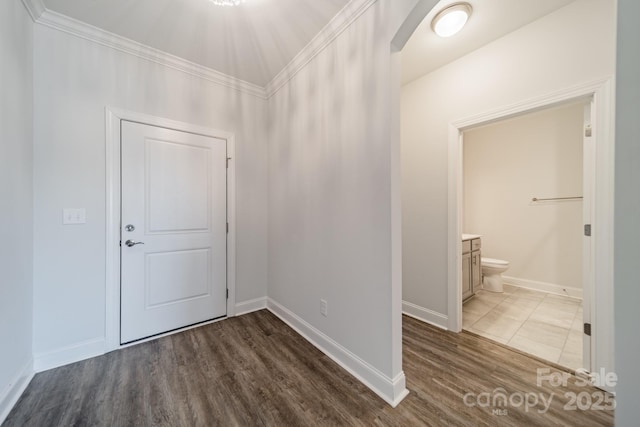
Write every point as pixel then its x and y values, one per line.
pixel 598 172
pixel 522 202
pixel 488 84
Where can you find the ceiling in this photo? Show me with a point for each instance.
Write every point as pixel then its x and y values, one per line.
pixel 255 41
pixel 252 42
pixel 490 20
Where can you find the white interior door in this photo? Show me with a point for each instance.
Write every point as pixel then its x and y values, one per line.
pixel 173 230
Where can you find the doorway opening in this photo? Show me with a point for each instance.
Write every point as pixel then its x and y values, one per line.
pixel 597 211
pixel 526 196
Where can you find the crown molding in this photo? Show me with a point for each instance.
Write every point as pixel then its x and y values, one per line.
pixel 41 15
pixel 85 31
pixel 328 34
pixel 35 8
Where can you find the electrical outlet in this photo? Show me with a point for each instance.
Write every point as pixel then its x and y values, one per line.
pixel 323 307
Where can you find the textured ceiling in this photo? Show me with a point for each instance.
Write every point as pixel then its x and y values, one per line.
pixel 252 42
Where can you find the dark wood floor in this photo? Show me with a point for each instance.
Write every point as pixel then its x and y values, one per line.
pixel 255 371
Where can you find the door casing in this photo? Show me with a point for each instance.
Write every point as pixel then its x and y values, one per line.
pixel 600 279
pixel 112 262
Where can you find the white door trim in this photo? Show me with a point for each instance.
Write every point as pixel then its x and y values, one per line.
pixel 112 262
pixel 602 208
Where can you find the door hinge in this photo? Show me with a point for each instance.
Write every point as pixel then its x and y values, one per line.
pixel 228 158
pixel 587 329
pixel 587 230
pixel 587 131
pixel 227 293
pixel 227 228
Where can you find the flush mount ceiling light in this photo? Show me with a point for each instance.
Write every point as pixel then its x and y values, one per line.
pixel 227 2
pixel 451 20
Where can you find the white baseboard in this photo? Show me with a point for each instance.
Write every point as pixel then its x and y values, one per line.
pixel 14 389
pixel 543 286
pixel 250 306
pixel 392 390
pixel 70 354
pixel 425 315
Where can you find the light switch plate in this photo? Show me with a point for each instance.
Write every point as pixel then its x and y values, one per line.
pixel 74 216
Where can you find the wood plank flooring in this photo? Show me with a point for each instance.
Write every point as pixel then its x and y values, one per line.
pixel 253 370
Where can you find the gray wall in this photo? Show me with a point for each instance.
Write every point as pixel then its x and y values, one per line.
pixel 74 81
pixel 627 215
pixel 16 195
pixel 75 75
pixel 330 190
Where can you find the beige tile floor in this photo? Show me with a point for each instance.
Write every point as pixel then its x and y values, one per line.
pixel 544 325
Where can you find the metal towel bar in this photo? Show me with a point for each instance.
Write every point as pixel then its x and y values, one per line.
pixel 535 199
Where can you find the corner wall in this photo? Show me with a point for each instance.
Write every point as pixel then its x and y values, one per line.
pixel 16 188
pixel 330 201
pixel 75 79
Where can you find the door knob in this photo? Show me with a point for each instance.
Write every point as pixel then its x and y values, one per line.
pixel 131 243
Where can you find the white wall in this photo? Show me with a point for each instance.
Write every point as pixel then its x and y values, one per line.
pixel 575 44
pixel 589 48
pixel 627 208
pixel 16 195
pixel 330 194
pixel 345 256
pixel 508 163
pixel 74 81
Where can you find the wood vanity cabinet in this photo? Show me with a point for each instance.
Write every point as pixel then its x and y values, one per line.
pixel 476 265
pixel 467 289
pixel 471 267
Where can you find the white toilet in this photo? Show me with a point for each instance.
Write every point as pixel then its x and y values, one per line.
pixel 492 270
